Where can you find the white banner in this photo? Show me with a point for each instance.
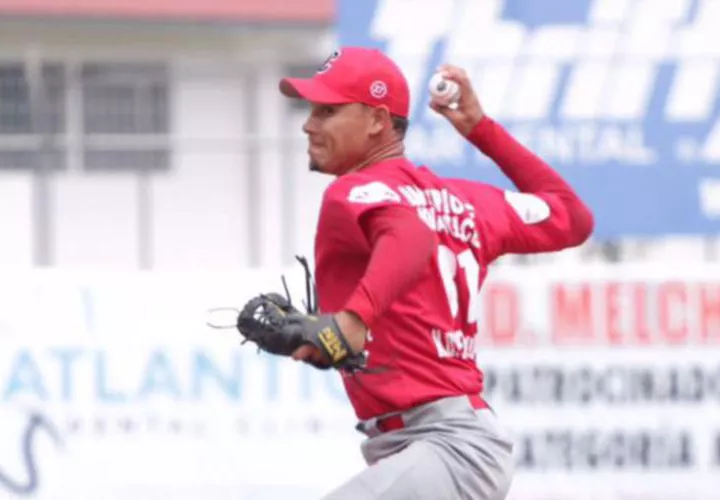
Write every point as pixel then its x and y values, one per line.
pixel 113 387
pixel 609 378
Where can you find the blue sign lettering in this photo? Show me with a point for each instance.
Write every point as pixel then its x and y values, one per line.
pixel 66 358
pixel 105 393
pixel 159 378
pixel 66 374
pixel 229 382
pixel 25 378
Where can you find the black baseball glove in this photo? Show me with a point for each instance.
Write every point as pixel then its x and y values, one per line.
pixel 277 327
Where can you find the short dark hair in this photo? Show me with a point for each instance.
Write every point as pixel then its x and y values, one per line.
pixel 400 125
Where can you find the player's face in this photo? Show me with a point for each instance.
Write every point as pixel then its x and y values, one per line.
pixel 340 136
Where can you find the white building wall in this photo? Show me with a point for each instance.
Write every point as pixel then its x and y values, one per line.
pixel 198 210
pixel 16 230
pixel 95 221
pixel 238 193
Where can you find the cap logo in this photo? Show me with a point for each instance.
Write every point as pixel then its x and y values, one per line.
pixel 329 62
pixel 378 89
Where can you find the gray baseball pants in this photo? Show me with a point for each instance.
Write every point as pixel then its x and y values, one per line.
pixel 446 451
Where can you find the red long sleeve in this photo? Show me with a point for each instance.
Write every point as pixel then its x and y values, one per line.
pixel 527 171
pixel 568 222
pixel 397 235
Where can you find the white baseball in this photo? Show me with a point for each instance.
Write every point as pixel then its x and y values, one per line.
pixel 442 91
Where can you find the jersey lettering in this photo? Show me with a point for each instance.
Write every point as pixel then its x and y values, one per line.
pixel 449 216
pixel 458 272
pixel 454 344
pixel 452 268
pixel 444 213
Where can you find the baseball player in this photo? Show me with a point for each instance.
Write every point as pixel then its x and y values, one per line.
pixel 400 256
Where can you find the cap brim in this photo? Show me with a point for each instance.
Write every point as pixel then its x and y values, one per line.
pixel 311 90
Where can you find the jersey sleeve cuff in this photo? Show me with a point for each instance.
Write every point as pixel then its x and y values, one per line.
pixel 361 304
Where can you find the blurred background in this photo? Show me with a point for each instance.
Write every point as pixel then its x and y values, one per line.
pixel 150 171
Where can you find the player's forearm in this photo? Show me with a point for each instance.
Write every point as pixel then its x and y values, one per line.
pixel 525 169
pixel 530 174
pixel 402 247
pixel 353 329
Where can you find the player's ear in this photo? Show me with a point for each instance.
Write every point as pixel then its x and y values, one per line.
pixel 380 119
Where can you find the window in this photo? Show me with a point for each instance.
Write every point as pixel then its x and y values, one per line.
pixel 32 117
pixel 126 116
pixel 122 118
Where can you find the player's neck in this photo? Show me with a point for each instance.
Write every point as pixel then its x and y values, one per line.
pixel 394 149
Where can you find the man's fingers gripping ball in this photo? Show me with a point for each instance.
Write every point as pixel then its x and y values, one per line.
pixel 464 111
pixel 458 76
pixel 443 91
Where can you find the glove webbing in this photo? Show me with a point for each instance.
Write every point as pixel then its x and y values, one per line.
pixel 311 301
pixel 311 306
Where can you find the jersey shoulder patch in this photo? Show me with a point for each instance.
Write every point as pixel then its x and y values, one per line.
pixel 373 192
pixel 530 208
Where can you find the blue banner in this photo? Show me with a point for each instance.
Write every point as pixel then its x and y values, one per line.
pixel 620 97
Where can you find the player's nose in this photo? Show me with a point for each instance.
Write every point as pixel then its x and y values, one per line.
pixel 310 126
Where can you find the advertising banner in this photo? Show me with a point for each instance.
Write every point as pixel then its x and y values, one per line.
pixel 621 97
pixel 116 388
pixel 609 378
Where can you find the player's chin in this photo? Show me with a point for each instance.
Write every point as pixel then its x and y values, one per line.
pixel 316 165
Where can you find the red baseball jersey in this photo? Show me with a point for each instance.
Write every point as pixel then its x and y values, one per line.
pixel 422 346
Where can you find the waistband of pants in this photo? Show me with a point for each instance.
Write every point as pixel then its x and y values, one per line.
pixel 425 413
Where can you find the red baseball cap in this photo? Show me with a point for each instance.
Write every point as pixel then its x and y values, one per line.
pixel 354 75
